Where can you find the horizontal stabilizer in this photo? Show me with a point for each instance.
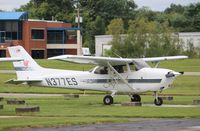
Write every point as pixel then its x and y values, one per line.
pixel 11 59
pixel 14 81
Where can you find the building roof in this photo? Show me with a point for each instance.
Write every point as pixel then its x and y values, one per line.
pixel 60 29
pixel 36 20
pixel 16 16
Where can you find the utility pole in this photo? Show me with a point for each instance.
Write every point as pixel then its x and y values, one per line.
pixel 78 20
pixel 78 16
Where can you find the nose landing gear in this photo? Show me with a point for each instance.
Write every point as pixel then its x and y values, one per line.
pixel 135 98
pixel 158 100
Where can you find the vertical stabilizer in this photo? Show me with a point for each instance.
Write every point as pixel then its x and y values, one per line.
pixel 27 68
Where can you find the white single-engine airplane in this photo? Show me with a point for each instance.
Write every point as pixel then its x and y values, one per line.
pixel 114 75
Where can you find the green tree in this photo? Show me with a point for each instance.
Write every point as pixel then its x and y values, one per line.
pixel 184 18
pixel 109 9
pixel 115 27
pixel 175 9
pixel 146 13
pixel 96 27
pixel 196 22
pixel 48 9
pixel 146 38
pixel 106 11
pixel 179 22
pixel 191 51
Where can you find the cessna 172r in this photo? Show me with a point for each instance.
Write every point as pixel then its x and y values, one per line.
pixel 114 75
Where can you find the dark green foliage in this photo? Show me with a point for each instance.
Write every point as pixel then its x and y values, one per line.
pixel 184 18
pixel 50 9
pixel 175 8
pixel 146 38
pixel 98 14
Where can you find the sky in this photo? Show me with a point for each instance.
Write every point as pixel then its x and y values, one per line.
pixel 161 5
pixel 155 5
pixel 9 5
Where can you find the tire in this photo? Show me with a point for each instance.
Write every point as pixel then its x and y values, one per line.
pixel 108 100
pixel 158 101
pixel 136 98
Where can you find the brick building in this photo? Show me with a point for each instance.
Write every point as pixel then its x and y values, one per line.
pixel 40 38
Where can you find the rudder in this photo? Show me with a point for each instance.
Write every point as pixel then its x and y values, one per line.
pixel 24 67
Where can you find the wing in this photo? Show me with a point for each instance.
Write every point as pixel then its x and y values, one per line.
pixel 9 59
pixel 156 59
pixel 93 60
pixel 114 61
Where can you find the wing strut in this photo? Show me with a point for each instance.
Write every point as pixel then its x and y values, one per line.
pixel 113 69
pixel 157 64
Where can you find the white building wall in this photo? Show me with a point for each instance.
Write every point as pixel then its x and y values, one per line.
pixel 102 41
pixel 186 37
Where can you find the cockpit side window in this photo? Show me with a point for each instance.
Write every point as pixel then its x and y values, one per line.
pixel 119 69
pixel 133 67
pixel 101 70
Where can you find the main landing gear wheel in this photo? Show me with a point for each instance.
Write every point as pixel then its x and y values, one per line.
pixel 158 101
pixel 135 98
pixel 108 100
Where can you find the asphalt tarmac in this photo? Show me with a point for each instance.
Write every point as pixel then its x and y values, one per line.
pixel 135 124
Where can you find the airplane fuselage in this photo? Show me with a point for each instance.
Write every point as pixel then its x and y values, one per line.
pixel 146 79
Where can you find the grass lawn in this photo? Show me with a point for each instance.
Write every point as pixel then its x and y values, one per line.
pixel 39 122
pixel 187 65
pixel 56 111
pixel 185 85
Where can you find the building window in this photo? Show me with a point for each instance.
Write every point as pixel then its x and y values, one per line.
pixel 72 35
pixel 12 30
pixel 55 52
pixel 2 36
pixel 2 53
pixel 37 33
pixel 38 54
pixel 56 37
pixel 11 35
